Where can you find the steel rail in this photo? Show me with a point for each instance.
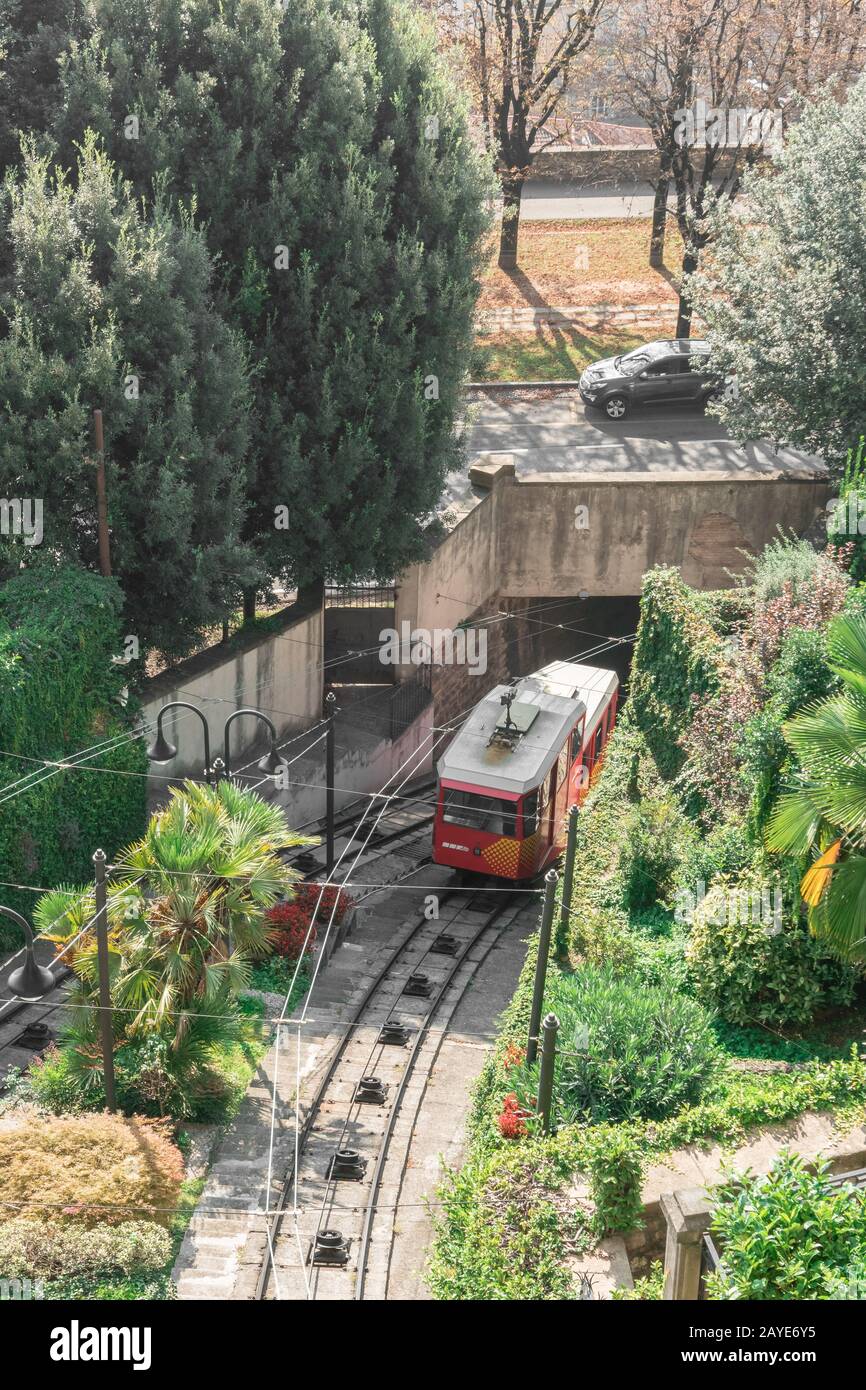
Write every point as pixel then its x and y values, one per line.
pixel 370 1211
pixel 315 1105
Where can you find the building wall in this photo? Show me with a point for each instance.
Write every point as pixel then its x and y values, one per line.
pixel 278 672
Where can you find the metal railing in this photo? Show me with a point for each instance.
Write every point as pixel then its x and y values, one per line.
pixel 360 595
pixel 409 699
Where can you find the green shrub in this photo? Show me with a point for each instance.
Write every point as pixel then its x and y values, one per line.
pixel 476 1252
pixel 88 1169
pixel 754 967
pixel 615 1173
pixel 650 848
pixel 784 561
pixel 47 1250
pixel 789 1235
pixel 800 673
pixel 60 694
pixel 625 1049
pixel 678 654
pixel 726 849
pixel 601 937
pixel 648 1286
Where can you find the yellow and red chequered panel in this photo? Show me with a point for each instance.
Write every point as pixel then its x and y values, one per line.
pixel 511 858
pixel 502 857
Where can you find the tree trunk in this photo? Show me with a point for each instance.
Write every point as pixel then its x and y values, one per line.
pixel 249 605
pixel 660 220
pixel 512 188
pixel 684 314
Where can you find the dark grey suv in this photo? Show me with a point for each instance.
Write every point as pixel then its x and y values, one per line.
pixel 672 369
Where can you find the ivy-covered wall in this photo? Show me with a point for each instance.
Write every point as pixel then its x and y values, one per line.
pixel 60 694
pixel 678 653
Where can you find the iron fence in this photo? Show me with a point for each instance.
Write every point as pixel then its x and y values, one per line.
pixel 409 699
pixel 360 595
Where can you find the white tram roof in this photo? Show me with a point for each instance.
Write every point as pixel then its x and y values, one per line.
pixel 559 692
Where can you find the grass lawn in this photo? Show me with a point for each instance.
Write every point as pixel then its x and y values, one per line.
pixel 547 354
pixel 590 262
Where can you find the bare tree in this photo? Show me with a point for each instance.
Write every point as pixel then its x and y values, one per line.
pixel 522 57
pixel 714 80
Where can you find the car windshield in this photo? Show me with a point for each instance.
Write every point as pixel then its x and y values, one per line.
pixel 632 363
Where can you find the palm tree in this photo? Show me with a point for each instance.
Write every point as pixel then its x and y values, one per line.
pixel 186 920
pixel 824 815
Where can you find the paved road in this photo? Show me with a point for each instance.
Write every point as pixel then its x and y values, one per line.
pixel 549 199
pixel 562 435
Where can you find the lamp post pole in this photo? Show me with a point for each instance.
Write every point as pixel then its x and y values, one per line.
pixel 106 1028
pixel 161 751
pixel 271 761
pixel 330 711
pixel 551 879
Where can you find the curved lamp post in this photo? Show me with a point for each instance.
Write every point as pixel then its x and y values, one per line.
pixel 161 751
pixel 30 981
pixel 271 763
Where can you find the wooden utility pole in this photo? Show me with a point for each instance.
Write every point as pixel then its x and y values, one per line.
pixel 101 503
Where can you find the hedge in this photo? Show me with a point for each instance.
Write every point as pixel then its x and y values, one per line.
pixel 60 693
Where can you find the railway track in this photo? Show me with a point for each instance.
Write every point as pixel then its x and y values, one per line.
pixel 331 1233
pixel 410 812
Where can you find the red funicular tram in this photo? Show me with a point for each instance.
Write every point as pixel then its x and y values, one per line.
pixel 524 756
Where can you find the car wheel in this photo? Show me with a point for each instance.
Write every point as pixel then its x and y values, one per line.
pixel 616 407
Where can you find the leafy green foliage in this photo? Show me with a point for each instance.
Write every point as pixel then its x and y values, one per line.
pixel 61 694
pixel 824 814
pixel 186 919
pixel 782 294
pixel 348 232
pixel 755 968
pixel 650 848
pixel 648 1286
pixel 625 1049
pixel 31 1249
pixel 677 654
pixel 789 1235
pixel 615 1178
pixel 112 307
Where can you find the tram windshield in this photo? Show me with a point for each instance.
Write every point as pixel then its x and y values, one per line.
pixel 479 812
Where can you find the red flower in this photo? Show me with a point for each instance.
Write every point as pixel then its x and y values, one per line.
pixel 290 921
pixel 512 1121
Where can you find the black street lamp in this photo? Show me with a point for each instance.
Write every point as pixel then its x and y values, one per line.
pixel 30 981
pixel 271 763
pixel 161 751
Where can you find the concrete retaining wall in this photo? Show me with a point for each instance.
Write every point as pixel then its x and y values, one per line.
pixel 600 164
pixel 521 540
pixel 278 672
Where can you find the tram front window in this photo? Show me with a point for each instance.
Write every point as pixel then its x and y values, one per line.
pixel 478 812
